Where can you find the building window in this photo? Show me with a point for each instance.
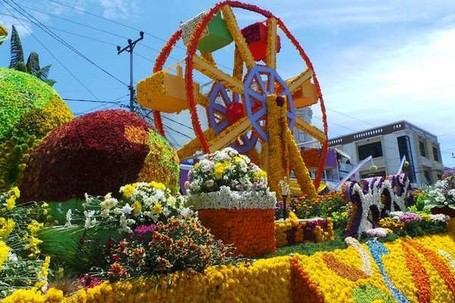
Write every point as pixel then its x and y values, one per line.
pixel 373 149
pixel 427 175
pixel 423 152
pixel 435 153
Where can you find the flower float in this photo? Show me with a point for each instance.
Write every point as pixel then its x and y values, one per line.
pixel 97 153
pixel 30 110
pixel 440 197
pixel 233 201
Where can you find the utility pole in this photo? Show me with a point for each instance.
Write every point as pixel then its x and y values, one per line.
pixel 130 49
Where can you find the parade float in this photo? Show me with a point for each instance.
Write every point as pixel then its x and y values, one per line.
pixel 239 235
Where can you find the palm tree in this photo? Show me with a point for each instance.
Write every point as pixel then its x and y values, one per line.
pixel 32 66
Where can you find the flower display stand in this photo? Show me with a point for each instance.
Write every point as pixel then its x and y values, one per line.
pixel 251 231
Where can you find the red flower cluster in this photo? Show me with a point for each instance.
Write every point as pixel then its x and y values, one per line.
pixel 343 270
pixel 95 153
pixel 251 231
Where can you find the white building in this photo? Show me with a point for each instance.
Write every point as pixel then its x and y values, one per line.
pixel 388 144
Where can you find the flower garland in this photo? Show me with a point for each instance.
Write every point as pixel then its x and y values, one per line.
pixel 419 274
pixel 159 63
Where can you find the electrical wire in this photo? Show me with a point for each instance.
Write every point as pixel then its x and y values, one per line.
pixel 56 59
pixel 43 27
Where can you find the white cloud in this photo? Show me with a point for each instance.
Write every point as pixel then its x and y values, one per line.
pixel 117 9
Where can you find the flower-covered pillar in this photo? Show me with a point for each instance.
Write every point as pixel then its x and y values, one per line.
pixel 277 160
pixel 283 152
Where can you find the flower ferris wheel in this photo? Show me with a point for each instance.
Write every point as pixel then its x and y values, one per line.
pixel 249 107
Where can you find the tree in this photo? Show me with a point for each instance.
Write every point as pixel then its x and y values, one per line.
pixel 32 66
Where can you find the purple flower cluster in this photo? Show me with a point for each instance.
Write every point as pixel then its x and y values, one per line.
pixel 409 217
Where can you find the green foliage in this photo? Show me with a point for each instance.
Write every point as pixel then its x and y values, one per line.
pixel 32 66
pixel 29 110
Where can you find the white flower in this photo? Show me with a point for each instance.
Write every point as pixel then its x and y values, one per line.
pixel 12 257
pixel 90 219
pixel 104 213
pixel 127 209
pixel 159 194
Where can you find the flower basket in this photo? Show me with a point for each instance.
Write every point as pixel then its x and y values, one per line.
pixel 250 230
pixel 244 219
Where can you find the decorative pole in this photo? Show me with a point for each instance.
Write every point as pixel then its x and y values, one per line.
pixel 285 192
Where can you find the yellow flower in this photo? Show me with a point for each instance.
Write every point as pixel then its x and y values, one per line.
pixel 158 185
pixel 10 203
pixel 34 227
pixel 137 208
pixel 157 209
pixel 4 251
pixel 219 169
pixel 259 175
pixel 128 190
pixel 6 227
pixel 15 191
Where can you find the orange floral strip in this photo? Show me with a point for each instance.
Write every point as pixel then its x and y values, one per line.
pixel 343 270
pixel 419 274
pixel 252 231
pixel 303 290
pixel 437 262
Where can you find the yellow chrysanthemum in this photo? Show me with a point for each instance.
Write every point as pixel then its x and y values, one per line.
pixel 137 208
pixel 219 168
pixel 10 203
pixel 157 209
pixel 259 175
pixel 4 251
pixel 158 185
pixel 15 191
pixel 128 190
pixel 6 227
pixel 34 227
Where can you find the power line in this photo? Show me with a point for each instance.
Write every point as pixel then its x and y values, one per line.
pixel 93 101
pixel 56 59
pixel 43 27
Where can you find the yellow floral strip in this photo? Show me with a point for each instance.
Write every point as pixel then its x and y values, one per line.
pixel 216 74
pixel 298 166
pixel 295 83
pixel 238 65
pixel 194 145
pixel 271 42
pixel 240 41
pixel 313 131
pixel 276 117
pixel 209 58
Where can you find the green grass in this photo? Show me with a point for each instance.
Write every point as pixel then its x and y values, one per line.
pixel 311 248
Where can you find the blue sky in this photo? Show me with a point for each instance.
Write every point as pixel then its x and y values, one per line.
pixel 377 61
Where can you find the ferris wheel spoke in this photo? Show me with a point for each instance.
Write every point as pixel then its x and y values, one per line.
pixel 237 73
pixel 310 129
pixel 216 74
pixel 295 83
pixel 229 135
pixel 271 42
pixel 240 41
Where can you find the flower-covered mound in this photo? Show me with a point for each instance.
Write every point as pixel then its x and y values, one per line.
pixel 29 110
pixel 441 194
pixel 97 153
pixel 407 270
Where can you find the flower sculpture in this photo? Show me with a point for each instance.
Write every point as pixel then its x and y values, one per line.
pixel 30 109
pixel 228 190
pixel 97 153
